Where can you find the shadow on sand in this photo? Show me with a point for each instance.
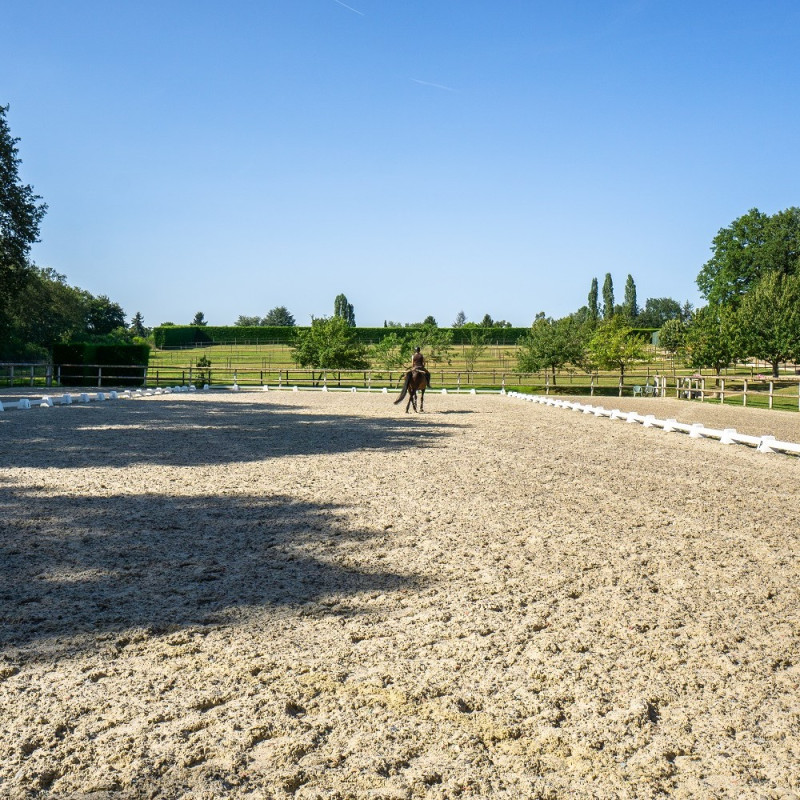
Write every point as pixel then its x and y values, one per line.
pixel 75 566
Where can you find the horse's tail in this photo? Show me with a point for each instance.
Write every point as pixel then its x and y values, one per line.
pixel 403 393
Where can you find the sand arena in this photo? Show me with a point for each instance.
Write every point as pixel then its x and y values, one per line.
pixel 315 595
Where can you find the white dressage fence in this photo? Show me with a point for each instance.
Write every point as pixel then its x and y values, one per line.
pixel 67 399
pixel 764 444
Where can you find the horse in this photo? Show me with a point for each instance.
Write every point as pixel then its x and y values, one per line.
pixel 415 381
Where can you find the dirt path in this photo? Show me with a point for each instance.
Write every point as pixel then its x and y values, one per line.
pixel 264 595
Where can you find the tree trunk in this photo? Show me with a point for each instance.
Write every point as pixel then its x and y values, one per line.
pixel 775 369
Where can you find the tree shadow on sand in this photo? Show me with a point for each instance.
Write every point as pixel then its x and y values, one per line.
pixel 181 561
pixel 181 433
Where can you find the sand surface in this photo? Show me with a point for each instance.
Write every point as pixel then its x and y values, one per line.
pixel 265 595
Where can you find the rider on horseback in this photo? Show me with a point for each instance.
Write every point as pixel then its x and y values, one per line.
pixel 418 364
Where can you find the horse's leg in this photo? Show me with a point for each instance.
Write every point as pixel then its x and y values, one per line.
pixel 422 399
pixel 411 398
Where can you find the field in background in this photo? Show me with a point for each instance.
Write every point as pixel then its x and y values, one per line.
pixel 272 364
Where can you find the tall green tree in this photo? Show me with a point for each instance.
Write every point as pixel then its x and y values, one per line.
pixel 344 310
pixel 551 344
pixel 710 341
pixel 137 327
pixel 657 310
pixel 608 297
pixel 615 346
pixel 48 312
pixel 460 319
pixel 767 322
pixel 593 306
pixel 103 316
pixel 199 319
pixel 629 305
pixel 672 336
pixel 21 213
pixel 279 316
pixel 330 343
pixel 752 246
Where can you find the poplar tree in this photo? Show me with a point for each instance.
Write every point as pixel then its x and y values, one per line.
pixel 630 306
pixel 344 310
pixel 594 312
pixel 608 297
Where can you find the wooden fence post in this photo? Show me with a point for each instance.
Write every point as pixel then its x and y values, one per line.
pixel 722 391
pixel 771 391
pixel 744 393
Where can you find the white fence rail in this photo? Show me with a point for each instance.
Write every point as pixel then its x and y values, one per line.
pixel 764 444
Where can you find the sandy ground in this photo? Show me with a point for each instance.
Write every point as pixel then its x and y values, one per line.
pixel 315 595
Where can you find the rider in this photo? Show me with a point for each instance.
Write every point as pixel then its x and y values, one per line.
pixel 418 363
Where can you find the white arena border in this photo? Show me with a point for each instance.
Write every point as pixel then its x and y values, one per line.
pixel 67 399
pixel 763 444
pixel 46 401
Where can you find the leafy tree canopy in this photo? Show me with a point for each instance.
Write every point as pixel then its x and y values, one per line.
pixel 330 343
pixel 750 247
pixel 657 310
pixel 550 344
pixel 21 212
pixel 710 339
pixel 672 335
pixel 200 319
pixel 247 322
pixel 103 316
pixel 279 316
pixel 768 320
pixel 615 346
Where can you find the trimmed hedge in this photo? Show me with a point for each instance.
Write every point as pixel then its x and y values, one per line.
pixel 178 336
pixel 80 363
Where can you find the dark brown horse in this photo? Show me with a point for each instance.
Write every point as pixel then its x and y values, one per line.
pixel 415 382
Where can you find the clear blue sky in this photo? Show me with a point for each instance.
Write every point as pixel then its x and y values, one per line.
pixel 420 157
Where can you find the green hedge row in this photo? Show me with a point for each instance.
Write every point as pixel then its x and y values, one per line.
pixel 191 335
pixel 79 364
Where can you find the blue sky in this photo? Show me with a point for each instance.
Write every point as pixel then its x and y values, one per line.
pixel 420 157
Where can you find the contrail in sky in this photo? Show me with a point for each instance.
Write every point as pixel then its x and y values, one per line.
pixel 349 8
pixel 435 85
